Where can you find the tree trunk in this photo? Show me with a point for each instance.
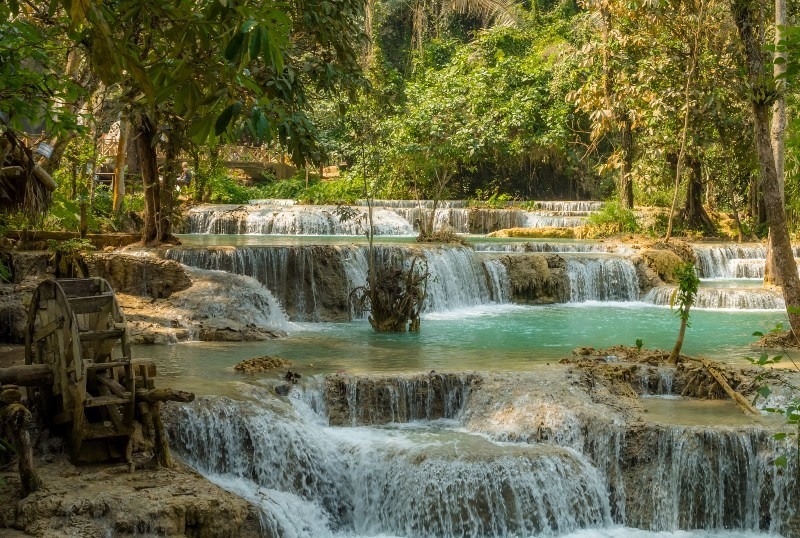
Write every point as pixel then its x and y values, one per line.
pixel 626 181
pixel 676 351
pixel 747 14
pixel 694 213
pixel 776 134
pixel 148 165
pixel 170 173
pixel 119 165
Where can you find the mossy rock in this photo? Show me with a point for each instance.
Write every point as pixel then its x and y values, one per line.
pixel 663 262
pixel 536 233
pixel 262 364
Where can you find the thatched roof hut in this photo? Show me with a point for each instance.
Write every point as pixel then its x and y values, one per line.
pixel 24 185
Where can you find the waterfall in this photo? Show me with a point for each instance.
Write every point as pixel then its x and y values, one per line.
pixel 730 261
pixel 722 298
pixel 539 220
pixel 710 479
pixel 535 246
pixel 423 481
pixel 285 219
pixel 313 283
pixel 310 282
pixel 246 299
pixel 390 217
pixel 604 278
pixel 498 279
pixel 555 473
pixel 579 206
pixel 365 400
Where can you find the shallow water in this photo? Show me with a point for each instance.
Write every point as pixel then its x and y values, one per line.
pixel 487 338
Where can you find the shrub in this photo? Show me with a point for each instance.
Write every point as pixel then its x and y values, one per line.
pixel 613 219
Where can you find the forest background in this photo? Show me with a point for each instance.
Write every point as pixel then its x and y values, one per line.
pixel 643 103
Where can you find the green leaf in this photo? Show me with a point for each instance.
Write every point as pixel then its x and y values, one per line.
pixel 255 44
pixel 758 333
pixel 780 461
pixel 779 436
pixel 225 118
pixel 234 48
pixel 200 130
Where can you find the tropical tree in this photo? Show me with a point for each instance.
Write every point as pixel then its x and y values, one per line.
pixel 763 92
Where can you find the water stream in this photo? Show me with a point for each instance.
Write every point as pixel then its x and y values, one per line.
pixel 449 454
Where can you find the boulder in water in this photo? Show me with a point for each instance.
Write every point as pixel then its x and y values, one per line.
pixel 262 364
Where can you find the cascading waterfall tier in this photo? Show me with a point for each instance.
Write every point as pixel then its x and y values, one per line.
pixel 540 465
pixel 730 261
pixel 713 298
pixel 602 278
pixel 390 217
pixel 365 400
pixel 536 246
pixel 314 283
pixel 428 481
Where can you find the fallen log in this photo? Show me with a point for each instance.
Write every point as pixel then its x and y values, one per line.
pixel 742 402
pixel 26 375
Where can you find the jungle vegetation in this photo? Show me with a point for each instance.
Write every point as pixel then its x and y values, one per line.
pixel 690 106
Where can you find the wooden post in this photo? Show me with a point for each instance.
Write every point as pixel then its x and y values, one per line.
pixel 16 420
pixel 163 453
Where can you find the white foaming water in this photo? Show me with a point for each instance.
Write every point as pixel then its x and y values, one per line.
pixel 245 299
pixel 563 477
pixel 540 220
pixel 304 277
pixel 499 283
pixel 391 217
pixel 581 206
pixel 313 480
pixel 627 532
pixel 728 261
pixel 722 298
pixel 603 278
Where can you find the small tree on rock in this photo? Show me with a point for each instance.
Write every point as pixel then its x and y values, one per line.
pixel 684 297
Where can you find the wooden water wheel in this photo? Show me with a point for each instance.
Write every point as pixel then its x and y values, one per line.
pixel 76 327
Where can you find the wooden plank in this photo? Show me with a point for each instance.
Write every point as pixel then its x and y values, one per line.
pixel 105 365
pixel 113 386
pixel 88 336
pixel 94 303
pixel 97 401
pixel 79 287
pixel 144 366
pixel 48 329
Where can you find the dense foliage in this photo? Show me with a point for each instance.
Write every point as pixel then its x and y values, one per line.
pixel 647 103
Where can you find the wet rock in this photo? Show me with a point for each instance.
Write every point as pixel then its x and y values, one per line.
pixel 352 400
pixel 262 364
pixel 663 262
pixel 107 501
pixel 535 233
pixel 139 275
pixel 27 264
pixel 537 278
pixel 13 316
pixel 226 330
